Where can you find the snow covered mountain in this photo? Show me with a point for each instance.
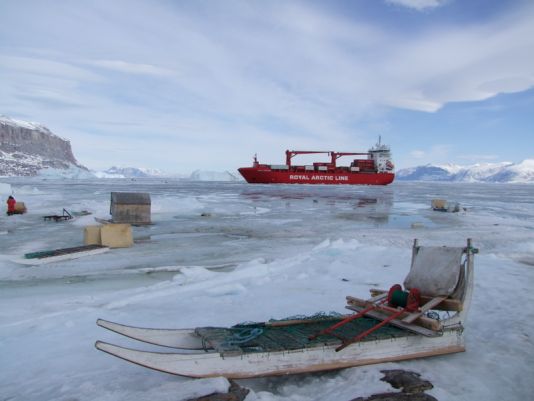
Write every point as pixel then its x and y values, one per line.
pixel 129 172
pixel 485 172
pixel 141 172
pixel 138 172
pixel 29 149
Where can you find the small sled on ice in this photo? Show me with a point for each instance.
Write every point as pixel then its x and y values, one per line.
pixel 64 216
pixel 391 326
pixel 57 255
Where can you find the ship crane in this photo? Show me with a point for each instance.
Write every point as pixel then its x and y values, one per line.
pixel 337 155
pixel 334 155
pixel 291 153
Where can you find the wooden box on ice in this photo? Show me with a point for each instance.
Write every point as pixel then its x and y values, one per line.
pixel 91 235
pixel 20 208
pixel 116 235
pixel 130 207
pixel 110 235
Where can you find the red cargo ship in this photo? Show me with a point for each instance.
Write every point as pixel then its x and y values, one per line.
pixel 376 169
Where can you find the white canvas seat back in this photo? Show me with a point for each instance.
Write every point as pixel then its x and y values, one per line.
pixel 437 271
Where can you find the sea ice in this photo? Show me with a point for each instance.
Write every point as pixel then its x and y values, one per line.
pixel 265 252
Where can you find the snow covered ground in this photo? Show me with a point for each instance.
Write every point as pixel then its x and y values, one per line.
pixel 223 253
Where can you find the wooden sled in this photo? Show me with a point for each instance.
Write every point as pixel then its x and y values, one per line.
pixel 65 215
pixel 306 345
pixel 57 255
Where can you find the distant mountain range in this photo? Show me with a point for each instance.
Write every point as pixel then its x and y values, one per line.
pixel 488 172
pixel 485 172
pixel 129 172
pixel 29 149
pixel 139 172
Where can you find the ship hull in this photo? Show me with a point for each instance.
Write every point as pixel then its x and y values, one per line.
pixel 259 175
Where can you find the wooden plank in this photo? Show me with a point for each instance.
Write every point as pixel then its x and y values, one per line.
pixel 423 309
pixel 281 323
pixel 60 257
pixel 62 251
pixel 276 323
pixel 378 297
pixel 398 323
pixel 423 321
pixel 452 305
pixel 385 309
pixel 358 301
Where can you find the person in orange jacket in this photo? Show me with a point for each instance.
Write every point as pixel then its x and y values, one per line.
pixel 11 205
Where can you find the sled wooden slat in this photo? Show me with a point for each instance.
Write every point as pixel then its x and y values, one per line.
pixel 452 305
pixel 425 308
pixel 398 323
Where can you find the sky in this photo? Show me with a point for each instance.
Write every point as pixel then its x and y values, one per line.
pixel 186 85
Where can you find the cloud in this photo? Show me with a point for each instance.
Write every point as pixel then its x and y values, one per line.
pixel 131 68
pixel 436 154
pixel 465 64
pixel 419 4
pixel 45 67
pixel 182 74
pixel 418 154
pixel 475 158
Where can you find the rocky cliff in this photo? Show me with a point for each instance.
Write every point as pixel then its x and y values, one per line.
pixel 26 148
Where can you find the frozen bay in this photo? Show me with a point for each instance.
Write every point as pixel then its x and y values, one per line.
pixel 223 253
